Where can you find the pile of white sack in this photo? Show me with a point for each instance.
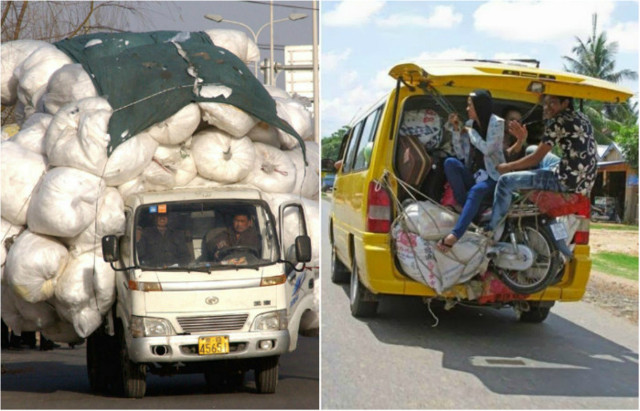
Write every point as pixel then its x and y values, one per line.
pixel 61 192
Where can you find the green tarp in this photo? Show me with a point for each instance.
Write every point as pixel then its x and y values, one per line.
pixel 148 77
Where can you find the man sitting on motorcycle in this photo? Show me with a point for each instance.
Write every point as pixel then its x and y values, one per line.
pixel 576 171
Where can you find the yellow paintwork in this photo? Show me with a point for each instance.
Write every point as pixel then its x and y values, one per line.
pixel 348 216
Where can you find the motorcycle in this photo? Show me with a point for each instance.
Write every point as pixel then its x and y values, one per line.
pixel 527 252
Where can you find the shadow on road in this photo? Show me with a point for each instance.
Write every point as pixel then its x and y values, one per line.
pixel 557 357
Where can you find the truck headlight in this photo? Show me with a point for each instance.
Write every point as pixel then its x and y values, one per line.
pixel 150 327
pixel 273 320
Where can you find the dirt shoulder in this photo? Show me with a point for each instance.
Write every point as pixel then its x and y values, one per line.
pixel 615 294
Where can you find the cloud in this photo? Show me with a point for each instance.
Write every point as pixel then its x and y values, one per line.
pixel 331 60
pixel 626 34
pixel 449 54
pixel 511 56
pixel 540 21
pixel 351 13
pixel 348 78
pixel 442 17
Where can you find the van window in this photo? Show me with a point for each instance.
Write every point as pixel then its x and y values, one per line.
pixel 368 135
pixel 351 148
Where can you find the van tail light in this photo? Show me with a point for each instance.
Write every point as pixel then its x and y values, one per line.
pixel 378 209
pixel 582 234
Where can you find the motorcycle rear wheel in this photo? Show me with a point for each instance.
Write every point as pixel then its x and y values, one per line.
pixel 546 262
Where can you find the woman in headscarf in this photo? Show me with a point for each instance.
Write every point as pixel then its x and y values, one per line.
pixel 472 172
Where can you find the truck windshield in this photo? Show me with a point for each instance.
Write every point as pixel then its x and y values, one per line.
pixel 201 236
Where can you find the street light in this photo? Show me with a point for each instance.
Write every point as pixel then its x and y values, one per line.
pixel 293 17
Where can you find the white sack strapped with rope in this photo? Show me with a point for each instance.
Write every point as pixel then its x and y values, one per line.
pixel 31 135
pixel 20 315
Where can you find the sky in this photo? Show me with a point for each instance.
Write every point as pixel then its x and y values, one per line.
pixel 362 40
pixel 189 16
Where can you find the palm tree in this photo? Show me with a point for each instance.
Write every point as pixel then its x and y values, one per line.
pixel 596 58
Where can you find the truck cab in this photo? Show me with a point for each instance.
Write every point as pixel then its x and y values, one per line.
pixel 205 283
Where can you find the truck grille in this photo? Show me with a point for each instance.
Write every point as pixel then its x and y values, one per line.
pixel 212 323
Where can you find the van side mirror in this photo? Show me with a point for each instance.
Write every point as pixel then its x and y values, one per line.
pixel 303 248
pixel 110 248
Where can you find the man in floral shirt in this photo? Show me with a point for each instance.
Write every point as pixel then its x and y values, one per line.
pixel 576 171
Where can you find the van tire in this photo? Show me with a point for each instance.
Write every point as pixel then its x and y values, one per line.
pixel 357 296
pixel 537 313
pixel 339 271
pixel 132 381
pixel 266 375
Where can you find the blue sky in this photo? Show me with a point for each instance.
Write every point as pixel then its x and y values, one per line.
pixel 362 40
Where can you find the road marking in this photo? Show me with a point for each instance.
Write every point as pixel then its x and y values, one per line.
pixel 607 357
pixel 632 359
pixel 518 362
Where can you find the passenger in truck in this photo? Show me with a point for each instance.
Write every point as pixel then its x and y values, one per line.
pixel 162 246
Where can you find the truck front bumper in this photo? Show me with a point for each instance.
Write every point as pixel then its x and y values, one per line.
pixel 184 348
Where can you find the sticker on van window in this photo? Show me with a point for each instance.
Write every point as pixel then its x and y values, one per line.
pixel 162 208
pixel 153 209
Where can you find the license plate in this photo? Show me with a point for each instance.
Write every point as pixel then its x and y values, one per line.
pixel 559 231
pixel 213 345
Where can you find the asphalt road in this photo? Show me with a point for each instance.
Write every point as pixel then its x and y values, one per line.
pixel 57 379
pixel 580 357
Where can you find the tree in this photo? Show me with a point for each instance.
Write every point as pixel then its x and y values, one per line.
pixel 331 145
pixel 595 57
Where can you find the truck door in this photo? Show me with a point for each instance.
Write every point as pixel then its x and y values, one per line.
pixel 292 225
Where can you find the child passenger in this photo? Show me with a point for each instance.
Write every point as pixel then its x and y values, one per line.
pixel 478 150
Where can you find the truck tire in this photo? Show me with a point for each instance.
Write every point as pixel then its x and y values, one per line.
pixel 339 272
pixel 266 375
pixel 132 378
pixel 537 313
pixel 360 307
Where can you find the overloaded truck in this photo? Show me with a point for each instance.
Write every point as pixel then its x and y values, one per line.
pixel 218 315
pixel 168 221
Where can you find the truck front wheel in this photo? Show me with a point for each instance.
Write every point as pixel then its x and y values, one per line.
pixel 266 374
pixel 133 382
pixel 97 346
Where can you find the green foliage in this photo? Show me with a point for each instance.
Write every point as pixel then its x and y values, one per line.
pixel 612 226
pixel 618 264
pixel 331 144
pixel 627 138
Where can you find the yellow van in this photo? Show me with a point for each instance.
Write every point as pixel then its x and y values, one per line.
pixel 364 208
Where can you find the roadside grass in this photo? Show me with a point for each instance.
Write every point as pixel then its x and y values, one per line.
pixel 618 264
pixel 619 227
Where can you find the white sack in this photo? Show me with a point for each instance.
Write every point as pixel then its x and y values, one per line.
pixel 129 159
pixel 131 187
pixel 33 265
pixel 21 316
pixel 236 42
pixel 221 158
pixel 8 234
pixel 277 93
pixel 177 128
pixel 31 136
pixel 78 135
pixel 307 178
pixel 203 182
pixel 34 73
pixel 110 220
pixel 86 281
pixel 13 54
pixel 64 203
pixel 298 117
pixel 273 170
pixel 264 133
pixel 429 220
pixel 68 84
pixel 421 260
pixel 21 171
pixel 172 166
pixel 228 118
pixel 62 332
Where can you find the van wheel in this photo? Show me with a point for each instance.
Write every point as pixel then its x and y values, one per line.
pixel 266 375
pixel 133 376
pixel 536 314
pixel 339 271
pixel 358 294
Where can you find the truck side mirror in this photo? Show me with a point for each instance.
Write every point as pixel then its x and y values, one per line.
pixel 303 248
pixel 110 249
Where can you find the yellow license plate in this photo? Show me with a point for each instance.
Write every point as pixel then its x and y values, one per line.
pixel 213 345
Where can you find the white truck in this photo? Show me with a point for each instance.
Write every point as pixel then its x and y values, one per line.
pixel 217 312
